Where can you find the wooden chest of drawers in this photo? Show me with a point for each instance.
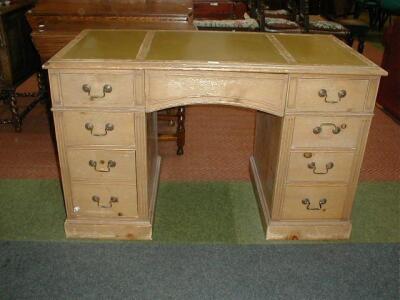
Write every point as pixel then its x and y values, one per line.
pixel 311 127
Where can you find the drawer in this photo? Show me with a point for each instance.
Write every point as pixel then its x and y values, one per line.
pixel 310 202
pixel 102 164
pixel 328 94
pixel 317 131
pixel 95 200
pixel 320 166
pixel 97 90
pixel 265 92
pixel 98 128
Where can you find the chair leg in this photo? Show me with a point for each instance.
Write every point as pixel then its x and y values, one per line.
pixel 15 117
pixel 180 132
pixel 361 44
pixel 349 40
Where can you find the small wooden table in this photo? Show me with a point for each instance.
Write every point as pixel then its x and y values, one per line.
pixel 314 98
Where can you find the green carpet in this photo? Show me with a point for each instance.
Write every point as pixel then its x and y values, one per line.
pixel 192 212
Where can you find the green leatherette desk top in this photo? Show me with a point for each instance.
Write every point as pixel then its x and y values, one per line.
pixel 208 49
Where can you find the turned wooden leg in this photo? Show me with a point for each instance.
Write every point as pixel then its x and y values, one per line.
pixel 180 132
pixel 15 117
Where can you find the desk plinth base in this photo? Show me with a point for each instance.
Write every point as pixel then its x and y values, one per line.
pixel 116 229
pixel 108 230
pixel 295 230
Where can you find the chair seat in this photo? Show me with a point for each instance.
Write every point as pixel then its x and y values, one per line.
pixel 280 24
pixel 330 26
pixel 276 13
pixel 347 22
pixel 246 23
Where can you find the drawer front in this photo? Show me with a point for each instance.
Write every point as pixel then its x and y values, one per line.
pixel 94 200
pixel 97 90
pixel 99 128
pixel 320 166
pixel 307 202
pixel 171 88
pixel 102 164
pixel 328 94
pixel 326 131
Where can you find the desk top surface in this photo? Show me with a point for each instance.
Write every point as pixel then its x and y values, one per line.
pixel 210 49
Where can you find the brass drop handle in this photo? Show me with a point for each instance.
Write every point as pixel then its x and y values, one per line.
pixel 108 127
pixel 307 202
pixel 335 129
pixel 107 88
pixel 313 166
pixel 323 93
pixel 41 27
pixel 110 202
pixel 110 164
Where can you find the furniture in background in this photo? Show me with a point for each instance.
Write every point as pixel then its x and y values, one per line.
pixel 344 12
pixel 389 8
pixel 297 17
pixel 283 20
pixel 379 11
pixel 218 9
pixel 314 109
pixel 225 15
pixel 18 61
pixel 55 23
pixel 317 23
pixel 389 90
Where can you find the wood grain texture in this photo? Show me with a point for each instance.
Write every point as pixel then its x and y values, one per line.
pixel 339 230
pixel 100 229
pixel 300 169
pixel 266 153
pixel 305 96
pixel 80 168
pixel 293 160
pixel 153 162
pixel 114 200
pixel 72 92
pixel 99 129
pixel 306 132
pixel 258 91
pixel 295 209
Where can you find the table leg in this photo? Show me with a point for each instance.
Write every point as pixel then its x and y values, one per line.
pixel 15 117
pixel 180 132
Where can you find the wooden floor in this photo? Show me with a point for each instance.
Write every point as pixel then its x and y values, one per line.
pixel 219 142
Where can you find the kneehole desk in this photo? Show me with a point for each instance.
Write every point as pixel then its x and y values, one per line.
pixel 314 98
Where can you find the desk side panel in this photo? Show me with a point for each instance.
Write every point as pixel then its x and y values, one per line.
pixel 266 157
pixel 153 162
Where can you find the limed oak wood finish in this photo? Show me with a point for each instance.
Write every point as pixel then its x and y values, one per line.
pixel 55 23
pixel 314 98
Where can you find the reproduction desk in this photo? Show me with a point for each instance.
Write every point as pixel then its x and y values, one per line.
pixel 314 98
